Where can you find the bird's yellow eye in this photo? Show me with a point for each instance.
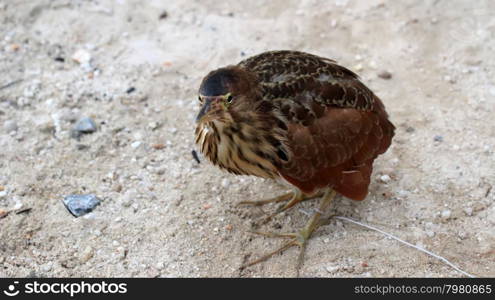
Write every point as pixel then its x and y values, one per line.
pixel 229 98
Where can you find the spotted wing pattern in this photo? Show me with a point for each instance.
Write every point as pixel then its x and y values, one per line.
pixel 334 125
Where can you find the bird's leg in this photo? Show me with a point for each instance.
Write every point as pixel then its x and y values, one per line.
pixel 285 197
pixel 297 239
pixel 298 197
pixel 293 197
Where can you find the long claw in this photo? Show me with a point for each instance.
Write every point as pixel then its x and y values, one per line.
pixel 274 235
pixel 267 256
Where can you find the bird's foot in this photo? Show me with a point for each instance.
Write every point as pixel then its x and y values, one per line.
pixel 291 198
pixel 299 239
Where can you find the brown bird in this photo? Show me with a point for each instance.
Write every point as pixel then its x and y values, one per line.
pixel 297 117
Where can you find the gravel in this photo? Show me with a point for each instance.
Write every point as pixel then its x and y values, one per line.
pixel 442 84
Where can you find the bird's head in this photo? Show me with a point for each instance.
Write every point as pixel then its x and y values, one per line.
pixel 224 93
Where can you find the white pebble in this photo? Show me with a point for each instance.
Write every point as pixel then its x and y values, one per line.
pixel 86 254
pixel 153 125
pixel 159 265
pixel 225 183
pixel 3 194
pixel 385 178
pixel 82 57
pixel 446 214
pixel 47 267
pixel 468 211
pixel 332 269
pixel 136 144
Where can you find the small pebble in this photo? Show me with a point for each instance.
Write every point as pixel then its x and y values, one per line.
pixel 117 187
pixel 358 67
pixel 438 138
pixel 3 213
pixel 468 211
pixel 160 265
pixel 3 194
pixel 130 90
pixel 158 146
pixel 446 214
pixel 86 254
pixel 79 205
pixel 136 144
pixel 9 126
pixel 83 126
pixel 225 183
pixel 81 56
pixel 47 267
pixel 430 233
pixel 385 178
pixel 332 269
pixel 163 15
pixel 385 75
pixel 153 125
pixel 410 129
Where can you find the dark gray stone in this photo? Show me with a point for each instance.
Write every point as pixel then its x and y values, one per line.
pixel 84 126
pixel 79 205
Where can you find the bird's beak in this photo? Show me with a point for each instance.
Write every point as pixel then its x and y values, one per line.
pixel 204 109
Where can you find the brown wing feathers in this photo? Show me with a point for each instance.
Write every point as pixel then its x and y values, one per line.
pixel 336 125
pixel 337 150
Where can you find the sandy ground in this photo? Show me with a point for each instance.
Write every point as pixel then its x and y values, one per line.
pixel 163 214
